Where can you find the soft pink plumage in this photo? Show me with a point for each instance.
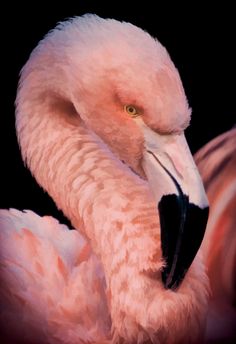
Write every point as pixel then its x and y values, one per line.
pixel 55 289
pixel 217 164
pixel 44 266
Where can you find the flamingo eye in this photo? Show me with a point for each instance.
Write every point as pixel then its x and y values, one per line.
pixel 131 110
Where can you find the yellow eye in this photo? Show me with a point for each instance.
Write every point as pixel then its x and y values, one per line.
pixel 131 110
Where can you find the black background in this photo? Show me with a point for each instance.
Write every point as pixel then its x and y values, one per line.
pixel 200 42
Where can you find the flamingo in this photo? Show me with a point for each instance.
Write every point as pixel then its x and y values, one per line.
pixel 100 118
pixel 217 165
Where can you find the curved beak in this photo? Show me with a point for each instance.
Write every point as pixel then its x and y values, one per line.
pixel 180 197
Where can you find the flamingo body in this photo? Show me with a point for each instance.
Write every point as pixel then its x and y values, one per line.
pixel 217 164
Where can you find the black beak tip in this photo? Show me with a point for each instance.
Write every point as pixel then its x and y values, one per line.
pixel 182 230
pixel 172 283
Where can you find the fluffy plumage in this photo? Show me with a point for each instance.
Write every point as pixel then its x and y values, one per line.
pixel 85 151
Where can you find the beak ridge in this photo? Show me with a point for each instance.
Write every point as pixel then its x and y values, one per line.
pixel 181 201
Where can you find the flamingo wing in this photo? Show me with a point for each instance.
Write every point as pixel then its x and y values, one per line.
pixel 52 284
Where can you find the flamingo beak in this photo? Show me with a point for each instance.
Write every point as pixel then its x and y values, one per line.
pixel 181 200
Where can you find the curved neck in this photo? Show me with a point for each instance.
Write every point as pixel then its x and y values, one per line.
pixel 101 196
pixel 87 182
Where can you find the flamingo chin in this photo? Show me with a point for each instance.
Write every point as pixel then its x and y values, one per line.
pixel 94 159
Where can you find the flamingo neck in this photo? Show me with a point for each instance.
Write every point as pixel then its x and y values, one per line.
pixel 102 197
pixel 84 178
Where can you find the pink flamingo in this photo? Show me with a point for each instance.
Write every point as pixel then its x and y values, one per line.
pixel 100 118
pixel 217 164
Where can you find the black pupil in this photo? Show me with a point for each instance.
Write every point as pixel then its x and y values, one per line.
pixel 131 109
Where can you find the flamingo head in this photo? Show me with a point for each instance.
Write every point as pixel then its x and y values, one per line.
pixel 131 95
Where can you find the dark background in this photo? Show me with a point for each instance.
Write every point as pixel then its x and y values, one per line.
pixel 200 41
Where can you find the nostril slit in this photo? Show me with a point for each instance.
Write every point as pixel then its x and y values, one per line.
pixel 174 166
